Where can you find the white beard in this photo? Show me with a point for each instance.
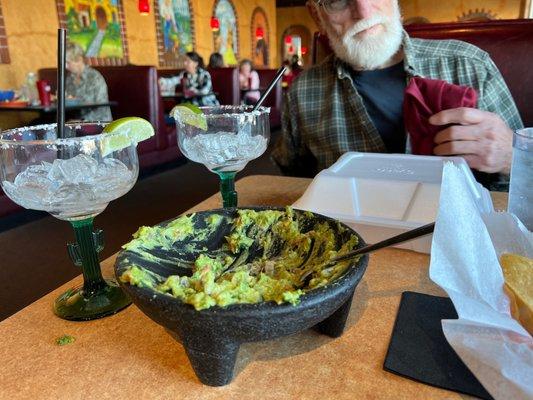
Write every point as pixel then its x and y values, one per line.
pixel 369 52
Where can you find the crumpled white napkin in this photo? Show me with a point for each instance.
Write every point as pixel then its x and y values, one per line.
pixel 464 262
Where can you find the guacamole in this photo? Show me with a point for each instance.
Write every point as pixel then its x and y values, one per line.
pixel 263 258
pixel 65 339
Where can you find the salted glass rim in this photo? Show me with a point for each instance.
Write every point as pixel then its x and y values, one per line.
pixel 45 127
pixel 260 111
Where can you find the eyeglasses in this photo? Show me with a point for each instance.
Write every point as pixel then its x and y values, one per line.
pixel 334 6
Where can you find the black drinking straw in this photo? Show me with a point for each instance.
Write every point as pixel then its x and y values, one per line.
pixel 279 74
pixel 61 58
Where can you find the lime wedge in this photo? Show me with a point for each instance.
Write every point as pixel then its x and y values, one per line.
pixel 191 115
pixel 123 132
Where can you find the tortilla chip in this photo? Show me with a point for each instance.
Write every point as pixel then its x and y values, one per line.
pixel 518 276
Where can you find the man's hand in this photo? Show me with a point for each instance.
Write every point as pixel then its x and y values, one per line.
pixel 482 138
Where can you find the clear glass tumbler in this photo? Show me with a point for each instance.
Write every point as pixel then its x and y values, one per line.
pixel 521 185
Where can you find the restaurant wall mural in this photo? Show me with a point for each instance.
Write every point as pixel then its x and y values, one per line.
pixel 98 27
pixel 260 38
pixel 226 36
pixel 175 31
pixel 4 52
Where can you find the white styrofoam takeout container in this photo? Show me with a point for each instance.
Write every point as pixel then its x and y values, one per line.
pixel 382 195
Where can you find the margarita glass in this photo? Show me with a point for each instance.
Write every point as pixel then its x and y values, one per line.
pixel 224 139
pixel 72 178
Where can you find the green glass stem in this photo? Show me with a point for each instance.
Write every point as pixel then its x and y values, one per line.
pixel 227 189
pixel 92 274
pixel 97 297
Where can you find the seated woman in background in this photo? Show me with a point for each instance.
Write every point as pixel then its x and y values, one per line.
pixel 85 84
pixel 195 82
pixel 216 61
pixel 248 82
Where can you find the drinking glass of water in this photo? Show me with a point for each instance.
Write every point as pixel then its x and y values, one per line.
pixel 224 139
pixel 521 185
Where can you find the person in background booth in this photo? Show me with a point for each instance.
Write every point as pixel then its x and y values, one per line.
pixel 286 79
pixel 248 82
pixel 353 100
pixel 291 73
pixel 195 82
pixel 85 84
pixel 296 67
pixel 216 61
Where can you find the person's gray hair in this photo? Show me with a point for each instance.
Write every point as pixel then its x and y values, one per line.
pixel 74 52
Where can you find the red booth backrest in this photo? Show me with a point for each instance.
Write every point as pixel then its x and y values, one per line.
pixel 226 85
pixel 509 43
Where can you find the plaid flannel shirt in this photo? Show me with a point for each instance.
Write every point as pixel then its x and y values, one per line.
pixel 324 115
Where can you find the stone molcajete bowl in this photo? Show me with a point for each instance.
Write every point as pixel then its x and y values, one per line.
pixel 211 337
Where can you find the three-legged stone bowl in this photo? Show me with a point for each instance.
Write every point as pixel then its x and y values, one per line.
pixel 211 337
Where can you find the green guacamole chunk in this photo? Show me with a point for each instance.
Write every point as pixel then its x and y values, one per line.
pixel 284 249
pixel 65 339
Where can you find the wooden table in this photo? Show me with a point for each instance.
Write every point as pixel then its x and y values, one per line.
pixel 127 356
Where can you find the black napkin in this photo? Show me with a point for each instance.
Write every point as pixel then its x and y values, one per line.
pixel 419 350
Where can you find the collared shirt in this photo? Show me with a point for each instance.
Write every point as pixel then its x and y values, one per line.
pixel 324 115
pixel 91 88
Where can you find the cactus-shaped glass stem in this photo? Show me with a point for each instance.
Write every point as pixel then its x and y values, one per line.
pixel 227 189
pixel 97 297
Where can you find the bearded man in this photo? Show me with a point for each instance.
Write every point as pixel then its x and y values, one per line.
pixel 353 100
